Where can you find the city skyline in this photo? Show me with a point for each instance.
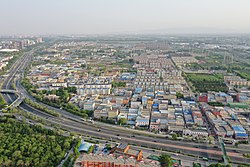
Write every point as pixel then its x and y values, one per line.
pixel 113 17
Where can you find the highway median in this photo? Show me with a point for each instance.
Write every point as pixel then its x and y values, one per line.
pixel 41 108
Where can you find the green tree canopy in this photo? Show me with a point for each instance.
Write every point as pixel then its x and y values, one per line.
pixel 122 121
pixel 166 160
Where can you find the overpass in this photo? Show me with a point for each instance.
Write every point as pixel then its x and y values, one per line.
pixel 19 99
pixel 8 91
pixel 17 102
pixel 224 152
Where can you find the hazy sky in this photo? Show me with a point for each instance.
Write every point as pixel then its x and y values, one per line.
pixel 123 16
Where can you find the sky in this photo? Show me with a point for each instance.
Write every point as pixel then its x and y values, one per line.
pixel 59 17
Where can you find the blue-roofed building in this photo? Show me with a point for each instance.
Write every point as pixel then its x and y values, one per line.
pixel 191 102
pixel 222 94
pixel 187 112
pixel 155 106
pixel 138 90
pixel 188 117
pixel 144 100
pixel 84 147
pixel 150 94
pixel 238 129
pixel 240 132
pixel 241 136
pixel 142 121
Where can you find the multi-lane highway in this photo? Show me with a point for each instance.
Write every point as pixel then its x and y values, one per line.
pixel 74 123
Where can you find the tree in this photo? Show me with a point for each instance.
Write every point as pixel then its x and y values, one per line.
pixel 174 136
pixel 165 160
pixel 122 121
pixel 196 164
pixel 161 78
pixel 118 84
pixel 179 95
pixel 210 139
pixel 2 102
pixel 83 65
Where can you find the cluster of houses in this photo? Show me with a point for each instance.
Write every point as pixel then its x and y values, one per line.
pixel 228 122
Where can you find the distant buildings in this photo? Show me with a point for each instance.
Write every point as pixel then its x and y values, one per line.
pixel 236 81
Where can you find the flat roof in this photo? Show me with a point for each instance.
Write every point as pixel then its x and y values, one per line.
pixel 238 128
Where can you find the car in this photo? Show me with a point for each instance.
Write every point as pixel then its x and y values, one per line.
pixel 98 130
pixel 175 154
pixel 215 146
pixel 236 151
pixel 119 138
pixel 118 135
pixel 154 141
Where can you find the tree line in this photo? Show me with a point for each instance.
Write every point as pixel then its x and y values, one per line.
pixel 2 102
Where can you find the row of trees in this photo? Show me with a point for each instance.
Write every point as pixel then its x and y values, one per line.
pixel 218 104
pixel 26 145
pixel 220 165
pixel 40 107
pixel 244 75
pixel 2 102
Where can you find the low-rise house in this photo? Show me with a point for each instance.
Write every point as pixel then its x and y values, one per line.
pixel 229 131
pixel 89 105
pixel 125 150
pixel 112 114
pixel 175 129
pixel 142 121
pixel 195 133
pixel 52 97
pixel 220 131
pixel 239 132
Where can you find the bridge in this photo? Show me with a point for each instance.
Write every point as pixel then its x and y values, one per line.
pixel 17 102
pixel 225 156
pixel 19 99
pixel 8 91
